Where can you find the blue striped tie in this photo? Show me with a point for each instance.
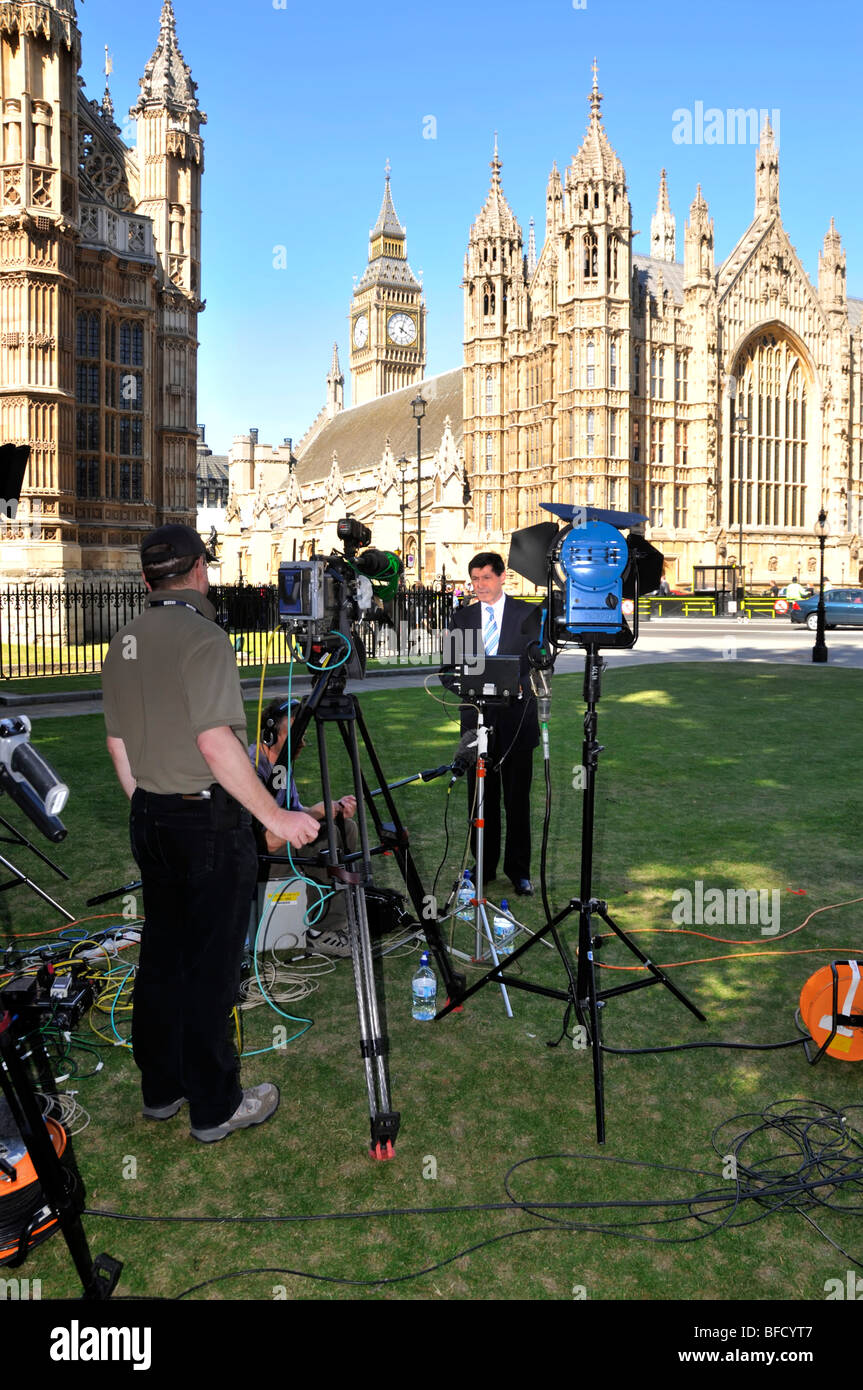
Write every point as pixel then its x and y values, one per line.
pixel 490 632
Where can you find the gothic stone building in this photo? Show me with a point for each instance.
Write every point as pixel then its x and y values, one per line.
pixel 99 297
pixel 592 375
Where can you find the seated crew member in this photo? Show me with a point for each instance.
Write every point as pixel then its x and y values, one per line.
pixel 329 935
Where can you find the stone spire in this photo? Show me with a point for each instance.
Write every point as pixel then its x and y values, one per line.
pixel 663 228
pixel 388 247
pixel 107 100
pixel 531 250
pixel 767 173
pixel 698 243
pixel 497 217
pixel 596 159
pixel 388 223
pixel 553 201
pixel 335 386
pixel 831 269
pixel 167 78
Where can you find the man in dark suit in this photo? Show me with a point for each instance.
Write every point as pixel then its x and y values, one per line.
pixel 503 626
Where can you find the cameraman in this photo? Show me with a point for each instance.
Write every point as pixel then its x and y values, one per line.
pixel 276 721
pixel 176 730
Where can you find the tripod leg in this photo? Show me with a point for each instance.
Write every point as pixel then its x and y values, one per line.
pixel 483 926
pixel 28 883
pixel 587 1011
pixel 384 1121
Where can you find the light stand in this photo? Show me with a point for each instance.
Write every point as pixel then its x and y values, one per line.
pixel 593 578
pixel 582 994
pixel 819 651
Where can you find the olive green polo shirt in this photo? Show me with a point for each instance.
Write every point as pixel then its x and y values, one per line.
pixel 168 676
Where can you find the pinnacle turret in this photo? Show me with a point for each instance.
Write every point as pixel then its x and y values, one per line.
pixel 663 228
pixel 596 158
pixel 335 386
pixel 497 217
pixel 167 77
pixel 767 172
pixel 832 269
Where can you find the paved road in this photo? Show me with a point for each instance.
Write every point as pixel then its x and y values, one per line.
pixel 662 639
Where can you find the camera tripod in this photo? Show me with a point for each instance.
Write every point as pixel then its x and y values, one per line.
pixel 329 703
pixel 582 995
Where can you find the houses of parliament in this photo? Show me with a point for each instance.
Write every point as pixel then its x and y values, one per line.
pixel 721 401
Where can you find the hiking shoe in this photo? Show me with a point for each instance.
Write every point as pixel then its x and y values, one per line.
pixel 163 1112
pixel 257 1105
pixel 329 943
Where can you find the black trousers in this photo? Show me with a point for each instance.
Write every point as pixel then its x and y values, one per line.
pixel 513 780
pixel 198 869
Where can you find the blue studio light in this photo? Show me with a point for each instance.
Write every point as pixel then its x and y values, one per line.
pixel 594 557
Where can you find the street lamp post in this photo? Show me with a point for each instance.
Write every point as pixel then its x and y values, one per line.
pixel 403 463
pixel 819 651
pixel 418 406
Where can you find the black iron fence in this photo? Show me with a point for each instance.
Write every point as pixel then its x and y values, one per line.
pixel 50 631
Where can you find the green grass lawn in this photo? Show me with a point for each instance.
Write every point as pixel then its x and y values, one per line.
pixel 740 776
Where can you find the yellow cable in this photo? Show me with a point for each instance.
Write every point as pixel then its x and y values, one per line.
pixel 261 699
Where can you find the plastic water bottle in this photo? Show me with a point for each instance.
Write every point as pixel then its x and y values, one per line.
pixel 503 928
pixel 464 897
pixel 424 991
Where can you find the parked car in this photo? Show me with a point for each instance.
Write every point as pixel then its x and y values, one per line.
pixel 842 608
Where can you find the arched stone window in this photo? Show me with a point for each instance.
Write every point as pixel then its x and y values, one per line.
pixel 590 257
pixel 774 450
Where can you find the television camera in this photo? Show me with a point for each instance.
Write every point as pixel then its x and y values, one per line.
pixel 322 600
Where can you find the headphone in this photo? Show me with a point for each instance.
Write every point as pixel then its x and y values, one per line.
pixel 270 726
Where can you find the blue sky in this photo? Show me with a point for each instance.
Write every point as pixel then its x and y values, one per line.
pixel 306 104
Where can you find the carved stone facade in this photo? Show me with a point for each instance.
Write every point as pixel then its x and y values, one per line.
pixel 609 378
pixel 592 375
pixel 99 296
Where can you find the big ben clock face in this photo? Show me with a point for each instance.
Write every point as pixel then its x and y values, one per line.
pixel 402 329
pixel 361 330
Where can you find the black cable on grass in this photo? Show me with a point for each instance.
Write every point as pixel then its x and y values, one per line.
pixel 824 1165
pixel 446 845
pixel 688 1047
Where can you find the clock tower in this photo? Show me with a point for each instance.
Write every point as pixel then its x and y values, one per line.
pixel 388 314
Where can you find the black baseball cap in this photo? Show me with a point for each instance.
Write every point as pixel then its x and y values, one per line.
pixel 171 542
